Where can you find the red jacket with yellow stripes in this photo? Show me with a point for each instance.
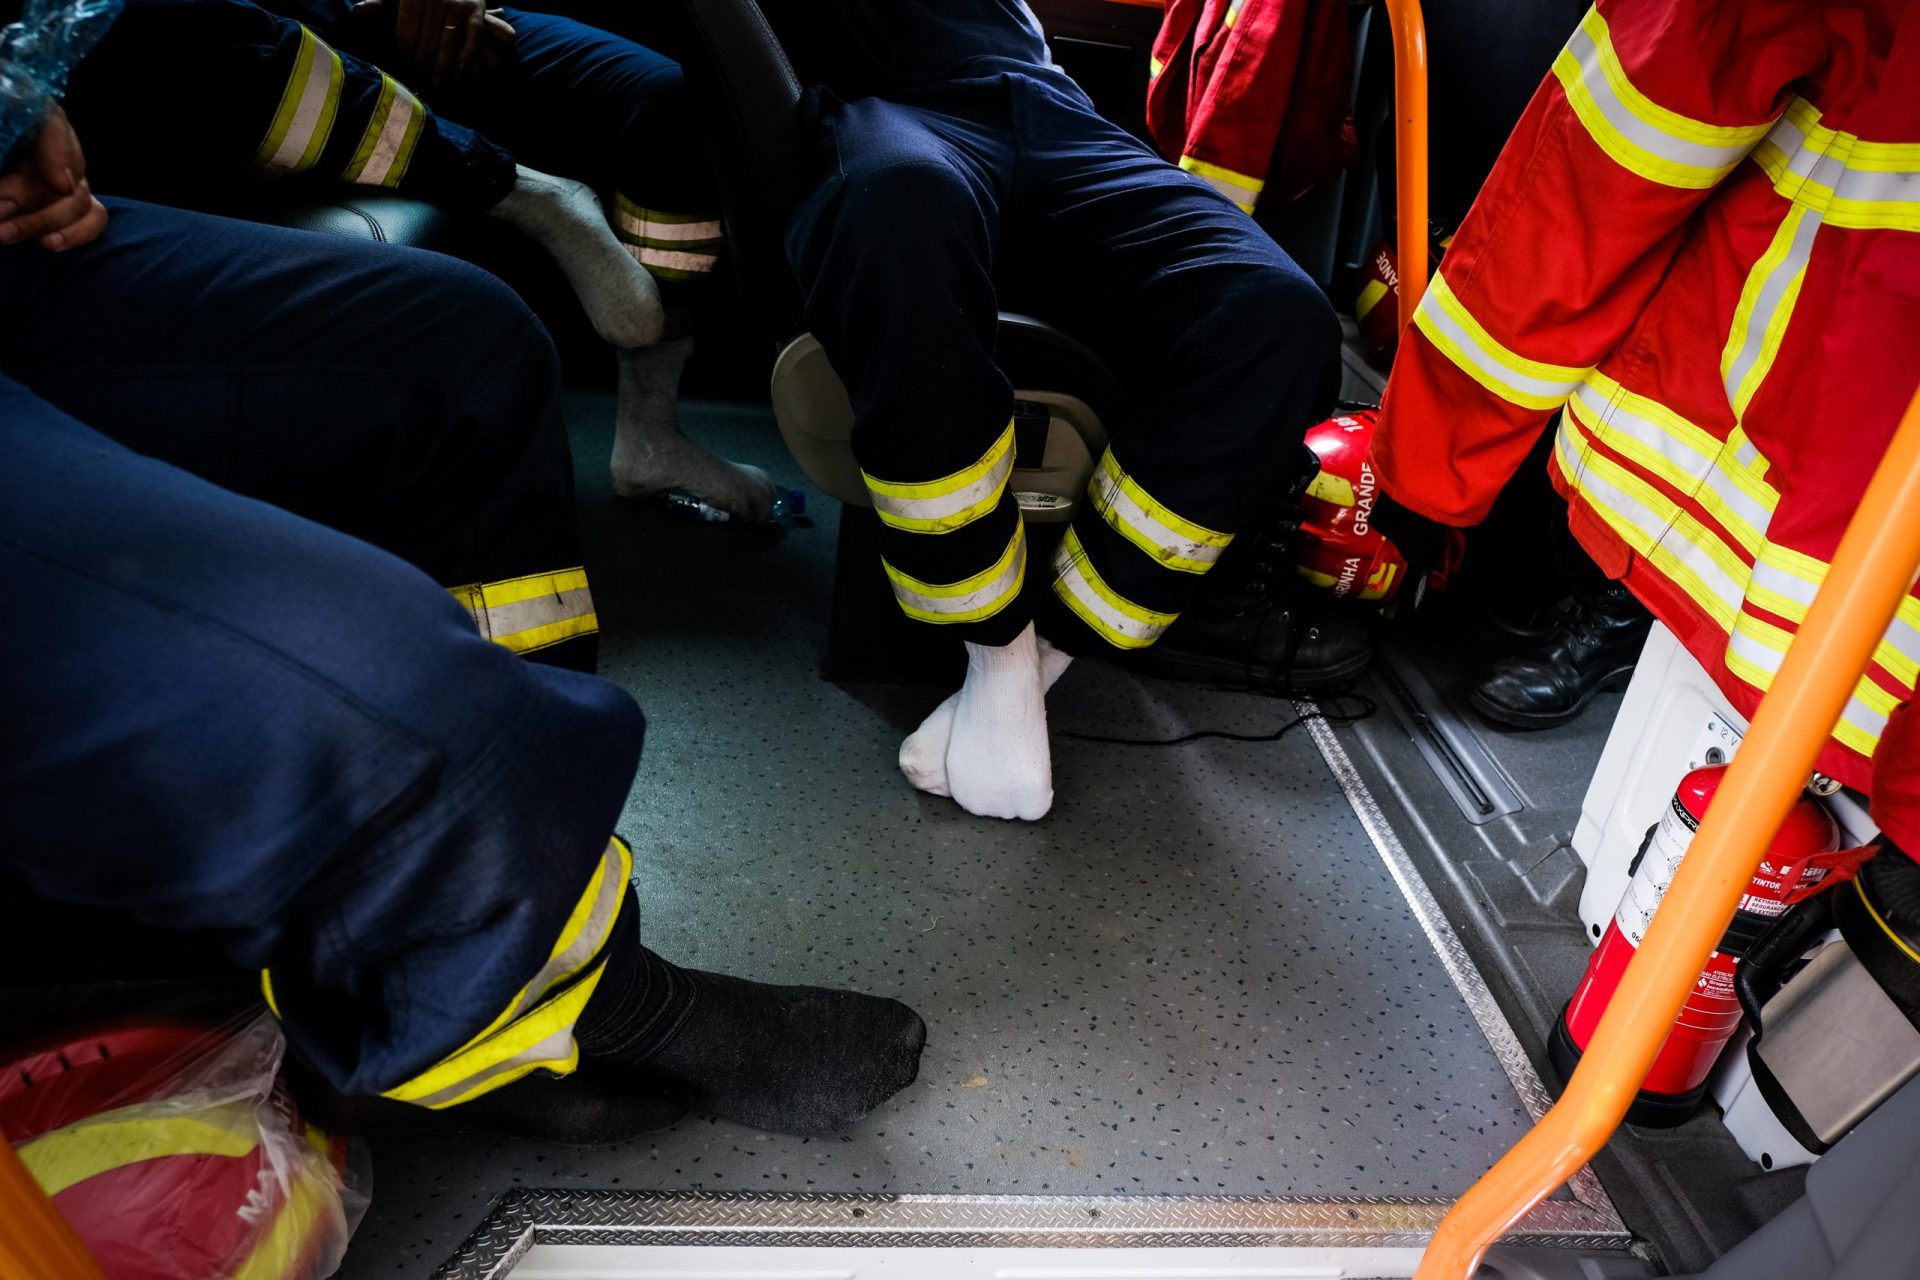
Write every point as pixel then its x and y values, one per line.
pixel 1240 87
pixel 1702 242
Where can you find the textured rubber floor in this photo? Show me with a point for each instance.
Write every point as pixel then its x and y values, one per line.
pixel 1195 977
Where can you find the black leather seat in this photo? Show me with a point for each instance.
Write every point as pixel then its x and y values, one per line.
pixel 383 217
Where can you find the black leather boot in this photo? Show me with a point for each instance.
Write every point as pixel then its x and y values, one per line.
pixel 1593 649
pixel 1254 622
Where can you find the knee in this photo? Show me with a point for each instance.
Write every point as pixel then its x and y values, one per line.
pixel 492 334
pixel 907 198
pixel 1278 321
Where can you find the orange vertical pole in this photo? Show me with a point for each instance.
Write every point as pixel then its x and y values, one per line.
pixel 1874 567
pixel 1409 29
pixel 34 1239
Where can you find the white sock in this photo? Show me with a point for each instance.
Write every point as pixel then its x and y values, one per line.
pixel 566 219
pixel 986 746
pixel 923 756
pixel 650 454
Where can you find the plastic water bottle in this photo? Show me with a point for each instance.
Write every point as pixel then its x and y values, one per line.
pixel 687 506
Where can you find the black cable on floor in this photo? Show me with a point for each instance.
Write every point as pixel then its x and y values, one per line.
pixel 1367 708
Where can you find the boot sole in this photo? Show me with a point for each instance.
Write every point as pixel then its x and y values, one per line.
pixel 1612 682
pixel 1200 667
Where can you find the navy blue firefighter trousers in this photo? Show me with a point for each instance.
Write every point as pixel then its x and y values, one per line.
pixel 223 714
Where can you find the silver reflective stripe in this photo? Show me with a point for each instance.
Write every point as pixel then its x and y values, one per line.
pixel 1613 415
pixel 503 620
pixel 672 260
pixel 1657 142
pixel 393 135
pixel 1141 527
pixel 316 105
pixel 1767 305
pixel 1903 638
pixel 610 892
pixel 1245 197
pixel 969 601
pixel 1760 655
pixel 556 1047
pixel 1792 586
pixel 1754 513
pixel 1824 168
pixel 941 514
pixel 1654 532
pixel 653 230
pixel 1862 717
pixel 1468 345
pixel 1076 581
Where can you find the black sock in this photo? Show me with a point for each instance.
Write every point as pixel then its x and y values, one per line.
pixel 791 1059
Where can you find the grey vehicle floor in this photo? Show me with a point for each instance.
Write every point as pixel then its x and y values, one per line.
pixel 1194 977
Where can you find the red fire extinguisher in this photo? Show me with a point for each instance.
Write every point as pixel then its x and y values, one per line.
pixel 1804 858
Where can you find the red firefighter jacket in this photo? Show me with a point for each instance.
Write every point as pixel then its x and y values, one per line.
pixel 1240 88
pixel 1701 248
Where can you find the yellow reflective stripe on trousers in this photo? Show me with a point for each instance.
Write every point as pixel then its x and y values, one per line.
pixel 1113 617
pixel 1846 180
pixel 386 147
pixel 1243 189
pixel 1171 539
pixel 674 245
pixel 951 502
pixel 1785 581
pixel 1694 559
pixel 1690 555
pixel 540 1034
pixel 1755 650
pixel 1766 305
pixel 971 599
pixel 308 104
pixel 1638 133
pixel 1531 384
pixel 581 938
pixel 534 612
pixel 1686 456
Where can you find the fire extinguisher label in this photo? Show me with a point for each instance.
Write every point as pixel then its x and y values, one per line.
pixel 1665 848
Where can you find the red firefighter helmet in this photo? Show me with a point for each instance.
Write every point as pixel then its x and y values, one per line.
pixel 159 1183
pixel 1339 547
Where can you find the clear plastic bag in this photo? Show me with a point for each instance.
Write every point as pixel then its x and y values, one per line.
pixel 176 1152
pixel 37 53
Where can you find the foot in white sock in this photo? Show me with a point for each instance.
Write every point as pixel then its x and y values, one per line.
pixel 566 219
pixel 998 764
pixel 650 454
pixel 923 756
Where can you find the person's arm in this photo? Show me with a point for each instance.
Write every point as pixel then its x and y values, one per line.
pixel 1649 107
pixel 44 194
pixel 438 42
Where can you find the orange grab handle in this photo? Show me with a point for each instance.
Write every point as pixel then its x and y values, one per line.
pixel 1874 567
pixel 1409 29
pixel 34 1239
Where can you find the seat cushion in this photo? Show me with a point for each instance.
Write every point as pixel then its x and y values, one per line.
pixel 389 218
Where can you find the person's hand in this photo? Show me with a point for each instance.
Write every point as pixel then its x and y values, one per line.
pixel 1433 551
pixel 440 42
pixel 45 196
